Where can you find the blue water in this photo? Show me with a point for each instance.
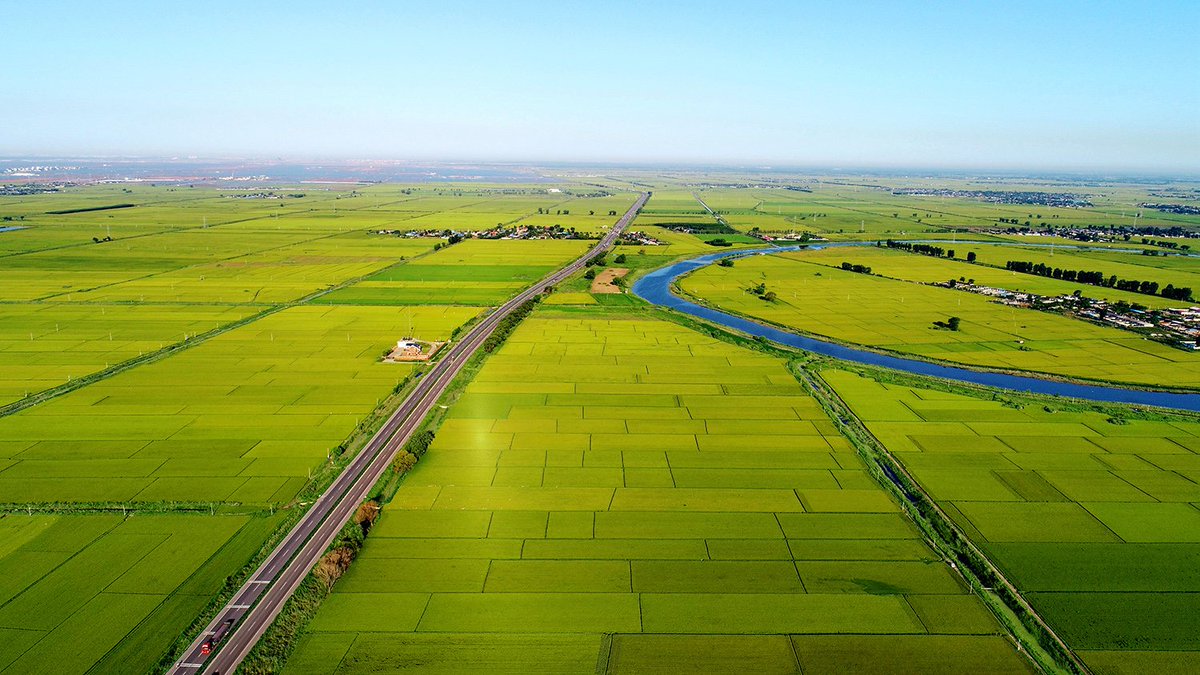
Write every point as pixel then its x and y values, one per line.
pixel 11 228
pixel 656 289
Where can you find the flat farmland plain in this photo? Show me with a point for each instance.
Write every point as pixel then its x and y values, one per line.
pixel 1096 519
pixel 473 272
pixel 105 593
pixel 612 476
pixel 1176 270
pixel 905 266
pixel 244 417
pixel 201 451
pixel 46 345
pixel 899 316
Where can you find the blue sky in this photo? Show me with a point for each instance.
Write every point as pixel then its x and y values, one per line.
pixel 1063 85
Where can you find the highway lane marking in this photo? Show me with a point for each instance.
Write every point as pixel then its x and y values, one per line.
pixel 239 607
pixel 260 581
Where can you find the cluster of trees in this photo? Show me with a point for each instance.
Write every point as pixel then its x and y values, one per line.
pixel 950 324
pixel 861 269
pixel 761 291
pixel 923 249
pixel 1095 278
pixel 450 241
pixel 1166 244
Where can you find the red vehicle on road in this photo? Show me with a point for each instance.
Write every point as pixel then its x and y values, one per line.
pixel 219 634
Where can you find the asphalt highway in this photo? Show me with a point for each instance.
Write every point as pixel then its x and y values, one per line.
pixel 259 600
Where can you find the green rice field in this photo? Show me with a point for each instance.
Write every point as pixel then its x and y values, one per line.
pixel 900 317
pixel 251 372
pixel 104 593
pixel 1096 522
pixel 906 266
pixel 631 493
pixel 611 492
pixel 473 272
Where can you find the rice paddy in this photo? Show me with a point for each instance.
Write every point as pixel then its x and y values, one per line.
pixel 605 475
pixel 610 493
pixel 901 317
pixel 105 593
pixel 220 356
pixel 1095 519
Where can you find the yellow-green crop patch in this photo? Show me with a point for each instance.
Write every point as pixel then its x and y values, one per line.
pixel 244 417
pixel 46 345
pixel 926 269
pixel 1097 522
pixel 900 317
pixel 598 476
pixel 472 272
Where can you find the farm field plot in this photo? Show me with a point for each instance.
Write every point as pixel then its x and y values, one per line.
pixel 45 345
pixel 899 317
pixel 107 594
pixel 476 209
pixel 1178 271
pixel 279 275
pixel 926 269
pixel 1098 523
pixel 67 273
pixel 243 417
pixel 605 475
pixel 472 272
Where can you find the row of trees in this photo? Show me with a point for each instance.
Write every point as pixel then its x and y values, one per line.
pixel 923 249
pixel 1096 278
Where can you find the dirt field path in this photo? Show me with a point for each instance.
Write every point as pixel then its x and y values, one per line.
pixel 603 283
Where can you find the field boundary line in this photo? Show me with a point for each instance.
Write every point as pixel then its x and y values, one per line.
pixel 915 501
pixel 195 340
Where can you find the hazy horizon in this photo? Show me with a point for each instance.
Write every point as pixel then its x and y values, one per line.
pixel 1076 87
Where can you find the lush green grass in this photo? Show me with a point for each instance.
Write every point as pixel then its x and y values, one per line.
pixel 600 475
pixel 1097 522
pixel 899 317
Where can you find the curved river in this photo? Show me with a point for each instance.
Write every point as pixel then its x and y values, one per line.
pixel 656 289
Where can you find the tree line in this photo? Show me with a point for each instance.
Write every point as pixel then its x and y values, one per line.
pixel 1094 278
pixel 923 249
